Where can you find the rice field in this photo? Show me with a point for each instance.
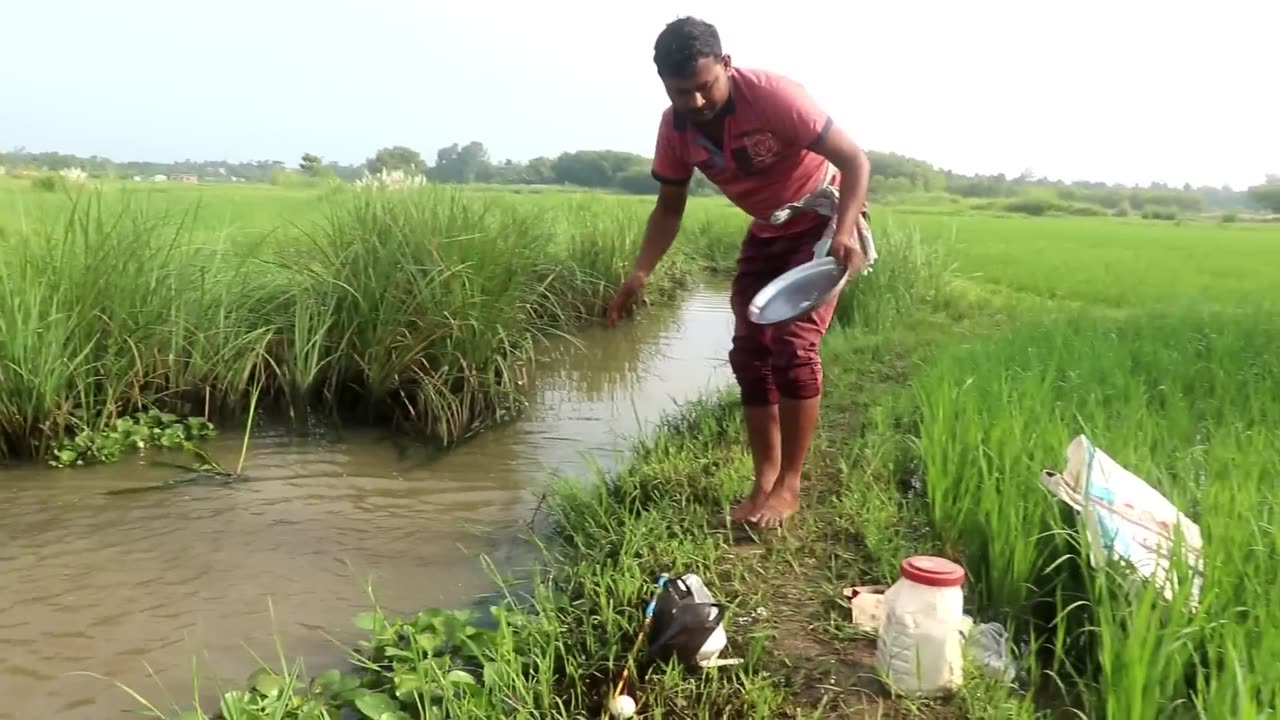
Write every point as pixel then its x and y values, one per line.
pixel 971 356
pixel 1116 262
pixel 1156 341
pixel 1186 401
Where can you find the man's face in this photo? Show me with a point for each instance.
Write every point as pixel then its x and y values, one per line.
pixel 703 93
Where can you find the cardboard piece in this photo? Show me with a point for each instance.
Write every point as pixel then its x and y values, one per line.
pixel 866 606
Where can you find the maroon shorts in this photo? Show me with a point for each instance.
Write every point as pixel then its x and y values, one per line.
pixel 780 360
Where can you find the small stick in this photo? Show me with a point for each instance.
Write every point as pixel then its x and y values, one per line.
pixel 648 618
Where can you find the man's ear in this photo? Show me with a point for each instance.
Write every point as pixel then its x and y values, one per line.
pixel 727 62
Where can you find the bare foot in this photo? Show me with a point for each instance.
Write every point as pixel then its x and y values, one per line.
pixel 781 505
pixel 748 507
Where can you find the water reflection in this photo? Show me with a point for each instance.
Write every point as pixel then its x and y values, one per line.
pixel 102 583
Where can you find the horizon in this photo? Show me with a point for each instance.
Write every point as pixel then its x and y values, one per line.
pixel 296 84
pixel 292 166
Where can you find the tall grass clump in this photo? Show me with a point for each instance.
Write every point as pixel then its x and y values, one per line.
pixel 427 306
pixel 910 273
pixel 107 312
pixel 1185 399
pixel 420 307
pixel 712 232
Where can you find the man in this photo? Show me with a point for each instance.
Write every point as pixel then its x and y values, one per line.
pixel 765 143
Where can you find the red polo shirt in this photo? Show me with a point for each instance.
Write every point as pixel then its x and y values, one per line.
pixel 765 158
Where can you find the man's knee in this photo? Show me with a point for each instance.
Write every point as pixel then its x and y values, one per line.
pixel 796 366
pixel 798 375
pixel 751 365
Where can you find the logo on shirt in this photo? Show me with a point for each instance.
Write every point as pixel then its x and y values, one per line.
pixel 754 151
pixel 762 147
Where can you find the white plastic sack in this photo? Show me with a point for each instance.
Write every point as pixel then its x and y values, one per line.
pixel 1124 516
pixel 988 645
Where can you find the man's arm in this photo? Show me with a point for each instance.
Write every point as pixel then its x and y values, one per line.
pixel 663 225
pixel 798 118
pixel 659 233
pixel 855 175
pixel 673 172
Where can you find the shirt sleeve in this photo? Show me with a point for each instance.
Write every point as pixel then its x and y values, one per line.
pixel 670 166
pixel 797 118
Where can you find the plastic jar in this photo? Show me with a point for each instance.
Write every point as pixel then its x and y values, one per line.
pixel 920 650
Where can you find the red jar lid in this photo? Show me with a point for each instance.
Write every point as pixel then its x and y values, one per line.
pixel 932 571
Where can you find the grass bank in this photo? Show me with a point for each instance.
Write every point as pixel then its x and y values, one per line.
pixel 946 397
pixel 419 308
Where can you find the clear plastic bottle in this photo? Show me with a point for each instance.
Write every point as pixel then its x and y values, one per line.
pixel 920 650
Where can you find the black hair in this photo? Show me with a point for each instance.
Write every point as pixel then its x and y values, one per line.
pixel 682 43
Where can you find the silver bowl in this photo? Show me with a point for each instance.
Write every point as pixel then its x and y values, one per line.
pixel 797 291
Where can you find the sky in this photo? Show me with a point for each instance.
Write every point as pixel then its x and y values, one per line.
pixel 1128 91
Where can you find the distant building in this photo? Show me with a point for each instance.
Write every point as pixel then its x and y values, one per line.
pixel 185 178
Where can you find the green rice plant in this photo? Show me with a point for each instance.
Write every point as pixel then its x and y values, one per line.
pixel 1183 399
pixel 910 274
pixel 99 316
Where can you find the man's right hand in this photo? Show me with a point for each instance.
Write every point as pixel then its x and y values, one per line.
pixel 625 296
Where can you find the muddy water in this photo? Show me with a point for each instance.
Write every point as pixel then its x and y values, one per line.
pixel 117 584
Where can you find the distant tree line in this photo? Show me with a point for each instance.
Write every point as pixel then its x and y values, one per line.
pixel 258 171
pixel 893 175
pixel 601 169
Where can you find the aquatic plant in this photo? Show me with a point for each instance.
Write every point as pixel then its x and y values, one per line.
pixel 138 431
